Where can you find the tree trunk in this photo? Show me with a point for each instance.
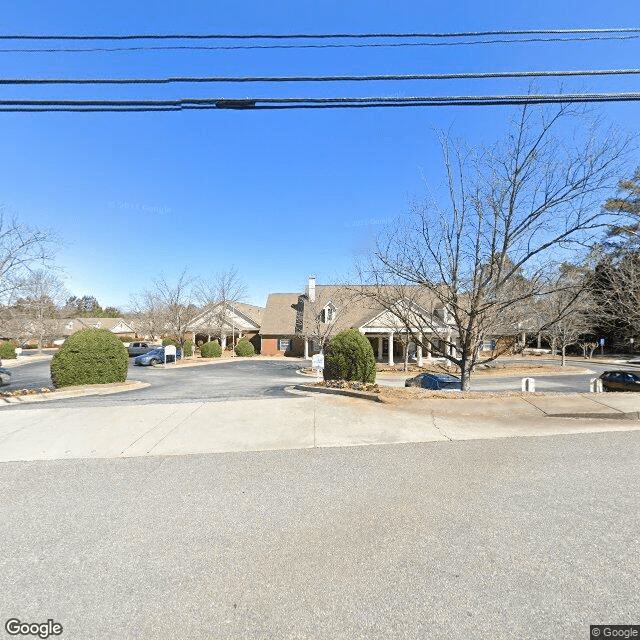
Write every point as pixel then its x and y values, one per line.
pixel 465 377
pixel 553 346
pixel 563 355
pixel 406 358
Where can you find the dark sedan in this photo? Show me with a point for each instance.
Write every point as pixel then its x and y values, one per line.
pixel 156 356
pixel 434 381
pixel 5 377
pixel 620 381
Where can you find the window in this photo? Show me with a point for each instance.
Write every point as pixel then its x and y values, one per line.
pixel 488 345
pixel 284 344
pixel 329 313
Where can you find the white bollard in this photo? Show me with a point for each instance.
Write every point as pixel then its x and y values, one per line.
pixel 595 385
pixel 528 385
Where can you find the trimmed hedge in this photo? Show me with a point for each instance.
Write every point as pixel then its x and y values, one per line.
pixel 244 348
pixel 166 341
pixel 92 356
pixel 7 350
pixel 211 349
pixel 349 356
pixel 186 349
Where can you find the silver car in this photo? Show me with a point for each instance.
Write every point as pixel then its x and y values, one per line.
pixel 138 348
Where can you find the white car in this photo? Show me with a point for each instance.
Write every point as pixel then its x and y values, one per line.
pixel 5 377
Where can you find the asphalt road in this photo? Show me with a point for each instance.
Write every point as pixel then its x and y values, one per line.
pixel 524 538
pixel 265 378
pixel 211 383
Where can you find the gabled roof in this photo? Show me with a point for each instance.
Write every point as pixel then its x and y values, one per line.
pixel 117 325
pixel 251 315
pixel 355 309
pixel 279 317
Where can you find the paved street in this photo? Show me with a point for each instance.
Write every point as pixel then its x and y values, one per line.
pixel 523 538
pixel 216 382
pixel 263 378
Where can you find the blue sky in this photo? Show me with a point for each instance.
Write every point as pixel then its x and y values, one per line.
pixel 279 194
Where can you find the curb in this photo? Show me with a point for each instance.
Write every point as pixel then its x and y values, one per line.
pixel 363 395
pixel 629 415
pixel 71 393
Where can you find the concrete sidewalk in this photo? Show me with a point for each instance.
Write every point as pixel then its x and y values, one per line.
pixel 303 421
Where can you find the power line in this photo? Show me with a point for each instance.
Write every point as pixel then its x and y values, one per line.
pixel 359 78
pixel 320 46
pixel 318 36
pixel 307 103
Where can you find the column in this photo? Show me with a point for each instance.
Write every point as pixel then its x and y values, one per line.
pixel 429 347
pixel 306 349
pixel 419 351
pixel 223 341
pixel 391 348
pixel 380 345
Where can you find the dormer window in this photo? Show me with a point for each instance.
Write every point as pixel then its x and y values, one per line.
pixel 329 313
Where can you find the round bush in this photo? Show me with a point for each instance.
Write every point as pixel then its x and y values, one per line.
pixel 186 348
pixel 349 356
pixel 92 356
pixel 166 341
pixel 211 350
pixel 7 350
pixel 244 348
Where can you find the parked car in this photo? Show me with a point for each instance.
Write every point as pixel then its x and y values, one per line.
pixel 435 381
pixel 156 356
pixel 138 348
pixel 620 381
pixel 5 377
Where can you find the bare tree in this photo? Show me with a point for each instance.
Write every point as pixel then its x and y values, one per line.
pixel 37 307
pixel 217 295
pixel 569 311
pixel 22 249
pixel 320 312
pixel 148 313
pixel 168 308
pixel 513 210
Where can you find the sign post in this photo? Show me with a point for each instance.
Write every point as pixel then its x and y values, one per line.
pixel 169 350
pixel 601 347
pixel 317 363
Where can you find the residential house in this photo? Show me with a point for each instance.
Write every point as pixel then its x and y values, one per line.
pixel 228 321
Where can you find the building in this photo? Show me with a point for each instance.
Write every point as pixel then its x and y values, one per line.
pixel 301 324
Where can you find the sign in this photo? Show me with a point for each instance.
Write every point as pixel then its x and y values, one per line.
pixel 317 361
pixel 169 350
pixel 602 342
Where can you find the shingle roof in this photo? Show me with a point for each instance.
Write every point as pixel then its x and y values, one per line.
pixel 251 311
pixel 279 318
pixel 355 309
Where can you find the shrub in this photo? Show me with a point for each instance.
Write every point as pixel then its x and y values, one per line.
pixel 211 350
pixel 166 341
pixel 186 349
pixel 349 356
pixel 7 350
pixel 92 356
pixel 244 348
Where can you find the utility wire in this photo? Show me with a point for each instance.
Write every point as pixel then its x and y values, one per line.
pixel 317 36
pixel 376 78
pixel 322 46
pixel 307 103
